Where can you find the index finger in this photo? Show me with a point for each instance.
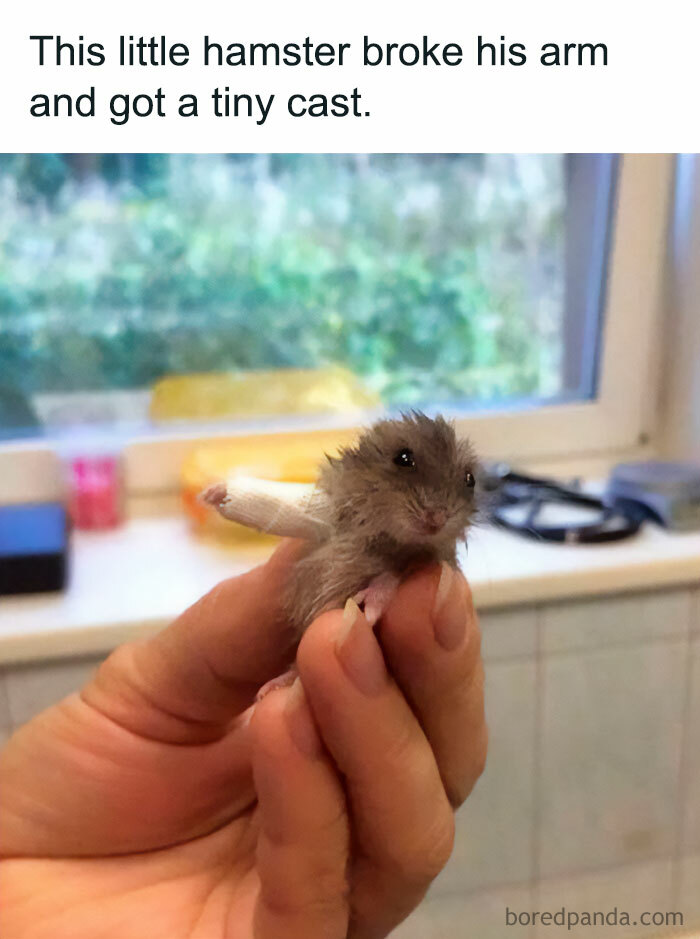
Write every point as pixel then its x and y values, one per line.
pixel 431 639
pixel 187 682
pixel 401 817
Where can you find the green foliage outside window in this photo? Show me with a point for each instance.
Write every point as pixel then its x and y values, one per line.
pixel 432 277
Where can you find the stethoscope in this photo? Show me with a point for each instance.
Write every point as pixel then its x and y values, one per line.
pixel 516 501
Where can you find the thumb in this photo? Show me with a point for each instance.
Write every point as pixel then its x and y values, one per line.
pixel 188 681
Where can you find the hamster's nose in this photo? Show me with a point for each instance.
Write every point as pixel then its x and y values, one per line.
pixel 434 520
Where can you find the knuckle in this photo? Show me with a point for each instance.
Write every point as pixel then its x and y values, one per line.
pixel 421 862
pixel 121 670
pixel 326 897
pixel 301 878
pixel 119 659
pixel 331 890
pixel 400 751
pixel 439 850
pixel 335 828
pixel 435 851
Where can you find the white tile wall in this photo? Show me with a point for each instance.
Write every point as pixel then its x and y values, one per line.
pixel 508 633
pixel 627 618
pixel 494 842
pixel 611 741
pixel 633 890
pixel 691 820
pixel 477 916
pixel 5 718
pixel 31 688
pixel 695 613
pixel 688 900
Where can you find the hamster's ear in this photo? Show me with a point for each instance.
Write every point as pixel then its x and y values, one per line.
pixel 272 507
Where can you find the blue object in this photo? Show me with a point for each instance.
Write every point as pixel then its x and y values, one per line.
pixel 667 492
pixel 33 548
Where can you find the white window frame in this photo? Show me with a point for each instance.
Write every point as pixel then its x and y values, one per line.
pixel 619 420
pixel 679 411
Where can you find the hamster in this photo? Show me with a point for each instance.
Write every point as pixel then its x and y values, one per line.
pixel 402 496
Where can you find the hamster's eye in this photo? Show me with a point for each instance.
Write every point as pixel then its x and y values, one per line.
pixel 469 480
pixel 405 458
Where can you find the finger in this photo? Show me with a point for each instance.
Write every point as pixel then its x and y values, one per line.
pixel 304 834
pixel 186 683
pixel 402 821
pixel 431 641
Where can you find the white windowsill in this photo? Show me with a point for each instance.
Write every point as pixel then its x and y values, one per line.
pixel 138 578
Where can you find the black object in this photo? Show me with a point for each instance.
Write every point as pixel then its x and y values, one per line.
pixel 33 548
pixel 508 490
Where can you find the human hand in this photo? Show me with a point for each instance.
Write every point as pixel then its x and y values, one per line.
pixel 162 802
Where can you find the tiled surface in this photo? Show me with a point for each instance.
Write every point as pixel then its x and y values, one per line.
pixel 495 825
pixel 32 688
pixel 479 916
pixel 695 613
pixel 611 740
pixel 634 890
pixel 691 819
pixel 508 633
pixel 689 891
pixel 613 620
pixel 5 719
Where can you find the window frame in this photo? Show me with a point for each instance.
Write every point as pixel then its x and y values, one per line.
pixel 619 419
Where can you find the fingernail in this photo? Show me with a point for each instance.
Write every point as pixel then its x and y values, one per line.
pixel 449 609
pixel 301 725
pixel 359 653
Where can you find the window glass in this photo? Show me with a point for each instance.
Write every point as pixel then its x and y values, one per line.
pixel 471 280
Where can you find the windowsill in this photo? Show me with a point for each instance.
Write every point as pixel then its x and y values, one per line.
pixel 136 579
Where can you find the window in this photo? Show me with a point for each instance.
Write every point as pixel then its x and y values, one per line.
pixel 497 287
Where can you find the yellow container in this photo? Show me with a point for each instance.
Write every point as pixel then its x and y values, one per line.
pixel 226 395
pixel 287 457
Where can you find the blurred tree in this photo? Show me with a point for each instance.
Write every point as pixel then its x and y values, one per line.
pixel 436 277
